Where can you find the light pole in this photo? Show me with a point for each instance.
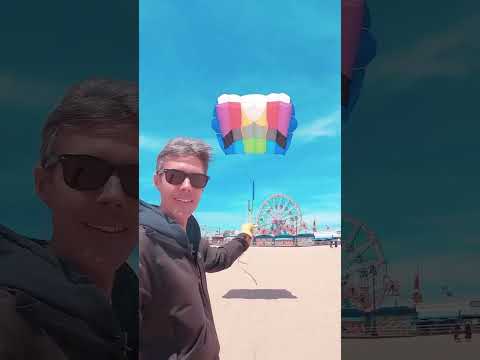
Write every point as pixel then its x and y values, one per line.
pixel 296 230
pixel 373 272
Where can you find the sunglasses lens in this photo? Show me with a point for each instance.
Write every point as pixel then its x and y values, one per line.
pixel 198 181
pixel 82 172
pixel 175 177
pixel 129 178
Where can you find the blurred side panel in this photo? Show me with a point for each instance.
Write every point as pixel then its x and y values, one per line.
pixel 410 258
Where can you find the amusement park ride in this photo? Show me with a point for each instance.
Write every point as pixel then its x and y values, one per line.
pixel 279 214
pixel 365 280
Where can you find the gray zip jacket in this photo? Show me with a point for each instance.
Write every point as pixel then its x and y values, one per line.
pixel 176 320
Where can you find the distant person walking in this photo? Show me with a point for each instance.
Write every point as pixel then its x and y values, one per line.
pixel 468 332
pixel 456 332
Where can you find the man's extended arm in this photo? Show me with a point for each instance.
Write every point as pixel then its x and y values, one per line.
pixel 217 259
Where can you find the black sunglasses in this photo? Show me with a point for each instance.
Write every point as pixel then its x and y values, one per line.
pixel 86 172
pixel 177 177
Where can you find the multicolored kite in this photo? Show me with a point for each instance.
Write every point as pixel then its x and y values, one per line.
pixel 254 124
pixel 358 49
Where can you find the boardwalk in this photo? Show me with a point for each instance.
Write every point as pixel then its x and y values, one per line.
pixel 422 347
pixel 279 303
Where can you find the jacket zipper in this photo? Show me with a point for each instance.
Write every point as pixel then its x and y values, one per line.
pixel 202 287
pixel 126 348
pixel 199 273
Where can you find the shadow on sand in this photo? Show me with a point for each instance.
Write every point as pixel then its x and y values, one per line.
pixel 266 294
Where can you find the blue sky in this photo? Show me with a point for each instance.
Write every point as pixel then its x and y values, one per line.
pixel 192 52
pixel 48 54
pixel 408 152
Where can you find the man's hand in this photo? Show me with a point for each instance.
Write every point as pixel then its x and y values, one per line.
pixel 248 229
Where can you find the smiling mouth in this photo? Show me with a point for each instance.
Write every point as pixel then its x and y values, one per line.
pixel 108 229
pixel 184 201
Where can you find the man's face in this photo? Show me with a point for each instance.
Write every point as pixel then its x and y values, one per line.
pixel 94 228
pixel 180 201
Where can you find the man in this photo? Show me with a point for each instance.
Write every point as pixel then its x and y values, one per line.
pixel 176 315
pixel 74 297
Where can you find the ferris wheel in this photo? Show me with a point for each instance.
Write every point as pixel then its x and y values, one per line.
pixel 279 215
pixel 365 278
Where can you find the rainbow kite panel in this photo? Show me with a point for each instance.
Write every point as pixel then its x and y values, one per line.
pixel 254 123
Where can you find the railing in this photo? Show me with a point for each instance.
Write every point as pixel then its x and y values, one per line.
pixel 392 330
pixel 385 329
pixel 443 329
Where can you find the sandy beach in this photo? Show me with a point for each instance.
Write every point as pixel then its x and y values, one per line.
pixel 279 303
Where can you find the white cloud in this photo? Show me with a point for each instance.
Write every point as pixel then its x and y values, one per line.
pixel 441 54
pixel 322 218
pixel 152 143
pixel 328 125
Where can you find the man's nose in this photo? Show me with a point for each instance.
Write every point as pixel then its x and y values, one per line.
pixel 186 185
pixel 112 193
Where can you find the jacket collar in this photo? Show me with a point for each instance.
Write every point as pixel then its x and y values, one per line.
pixel 153 218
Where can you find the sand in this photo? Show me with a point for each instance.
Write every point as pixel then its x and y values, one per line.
pixel 284 303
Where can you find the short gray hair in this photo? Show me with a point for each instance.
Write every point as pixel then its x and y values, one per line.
pixel 182 147
pixel 93 103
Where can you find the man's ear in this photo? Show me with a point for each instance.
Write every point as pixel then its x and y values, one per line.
pixel 43 183
pixel 156 180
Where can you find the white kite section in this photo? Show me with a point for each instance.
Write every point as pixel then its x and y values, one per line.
pixel 254 98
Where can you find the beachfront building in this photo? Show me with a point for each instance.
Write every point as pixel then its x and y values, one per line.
pixel 419 320
pixel 263 240
pixel 284 240
pixel 220 239
pixel 306 239
pixel 441 318
pixel 327 237
pixel 353 322
pixel 391 321
pixel 395 321
pixel 320 242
